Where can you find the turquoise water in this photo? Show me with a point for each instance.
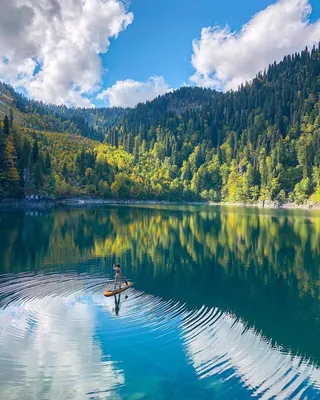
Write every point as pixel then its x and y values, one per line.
pixel 225 303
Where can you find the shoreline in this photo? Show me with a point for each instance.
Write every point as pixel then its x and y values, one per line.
pixel 273 205
pixel 38 202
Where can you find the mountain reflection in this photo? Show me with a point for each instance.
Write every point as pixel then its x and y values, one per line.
pixel 260 266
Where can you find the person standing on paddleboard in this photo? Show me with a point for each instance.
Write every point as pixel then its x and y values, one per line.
pixel 117 278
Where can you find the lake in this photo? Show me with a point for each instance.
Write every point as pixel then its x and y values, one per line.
pixel 225 303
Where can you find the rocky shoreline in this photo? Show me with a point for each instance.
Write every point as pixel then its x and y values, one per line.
pixel 274 205
pixel 39 201
pixel 35 201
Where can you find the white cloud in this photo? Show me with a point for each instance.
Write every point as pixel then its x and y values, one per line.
pixel 224 59
pixel 128 93
pixel 51 362
pixel 52 47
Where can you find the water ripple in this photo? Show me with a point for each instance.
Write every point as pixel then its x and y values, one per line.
pixel 55 324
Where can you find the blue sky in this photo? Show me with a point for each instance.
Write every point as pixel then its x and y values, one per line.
pixel 107 52
pixel 159 41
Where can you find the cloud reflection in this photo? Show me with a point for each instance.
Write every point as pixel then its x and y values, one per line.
pixel 47 350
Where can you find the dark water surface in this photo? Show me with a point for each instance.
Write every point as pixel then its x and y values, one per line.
pixel 225 304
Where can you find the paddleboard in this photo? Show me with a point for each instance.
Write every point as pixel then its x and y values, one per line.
pixel 110 293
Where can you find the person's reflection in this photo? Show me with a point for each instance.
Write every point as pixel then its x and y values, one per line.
pixel 117 304
pixel 116 308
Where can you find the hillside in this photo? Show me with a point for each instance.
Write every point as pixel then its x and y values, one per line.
pixel 261 142
pixel 92 123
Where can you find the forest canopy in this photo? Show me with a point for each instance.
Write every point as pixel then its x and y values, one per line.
pixel 261 142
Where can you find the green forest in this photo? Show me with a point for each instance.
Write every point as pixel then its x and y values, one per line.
pixel 258 143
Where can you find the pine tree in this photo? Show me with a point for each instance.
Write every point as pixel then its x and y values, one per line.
pixel 48 164
pixel 9 176
pixel 35 152
pixel 25 155
pixel 174 154
pixel 137 144
pixel 12 172
pixel 3 134
pixel 37 175
pixel 6 126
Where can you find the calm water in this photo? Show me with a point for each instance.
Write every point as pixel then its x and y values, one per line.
pixel 225 304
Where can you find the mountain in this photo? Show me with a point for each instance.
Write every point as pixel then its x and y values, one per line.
pixel 92 123
pixel 261 142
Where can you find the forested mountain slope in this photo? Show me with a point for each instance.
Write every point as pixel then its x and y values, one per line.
pixel 261 142
pixel 92 123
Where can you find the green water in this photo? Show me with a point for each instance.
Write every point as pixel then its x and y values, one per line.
pixel 225 303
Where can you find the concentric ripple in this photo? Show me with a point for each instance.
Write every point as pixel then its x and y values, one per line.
pixel 60 338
